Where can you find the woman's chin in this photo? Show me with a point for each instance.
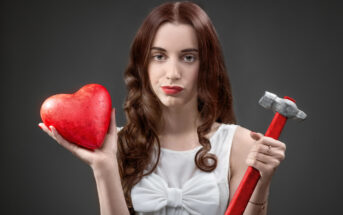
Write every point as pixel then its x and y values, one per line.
pixel 172 103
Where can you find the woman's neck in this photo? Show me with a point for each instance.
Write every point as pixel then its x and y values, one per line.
pixel 179 126
pixel 179 120
pixel 179 131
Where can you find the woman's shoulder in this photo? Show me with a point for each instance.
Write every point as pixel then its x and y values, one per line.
pixel 242 136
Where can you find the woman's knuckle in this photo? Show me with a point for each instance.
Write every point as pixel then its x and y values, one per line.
pixel 259 147
pixel 250 162
pixel 270 168
pixel 252 155
pixel 283 155
pixel 254 162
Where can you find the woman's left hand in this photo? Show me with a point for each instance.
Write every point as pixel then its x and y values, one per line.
pixel 266 155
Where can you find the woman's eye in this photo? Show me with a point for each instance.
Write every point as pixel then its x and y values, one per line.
pixel 189 58
pixel 158 57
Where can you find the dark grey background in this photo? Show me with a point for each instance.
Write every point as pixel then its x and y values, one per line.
pixel 291 48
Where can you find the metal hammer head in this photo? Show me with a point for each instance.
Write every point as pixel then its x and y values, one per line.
pixel 285 107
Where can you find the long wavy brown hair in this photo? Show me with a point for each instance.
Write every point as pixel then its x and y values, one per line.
pixel 138 139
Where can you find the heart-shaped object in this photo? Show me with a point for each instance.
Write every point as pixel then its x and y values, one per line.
pixel 82 118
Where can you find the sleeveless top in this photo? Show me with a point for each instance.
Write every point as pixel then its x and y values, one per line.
pixel 178 187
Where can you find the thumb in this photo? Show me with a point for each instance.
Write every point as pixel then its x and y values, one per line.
pixel 113 125
pixel 256 136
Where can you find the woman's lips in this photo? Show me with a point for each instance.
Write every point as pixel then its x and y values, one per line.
pixel 171 89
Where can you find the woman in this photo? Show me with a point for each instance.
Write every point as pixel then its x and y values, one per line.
pixel 180 151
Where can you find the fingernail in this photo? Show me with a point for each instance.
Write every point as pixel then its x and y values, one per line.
pixel 40 126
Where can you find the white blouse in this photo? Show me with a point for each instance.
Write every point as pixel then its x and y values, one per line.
pixel 178 187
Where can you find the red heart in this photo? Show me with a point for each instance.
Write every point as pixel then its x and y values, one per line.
pixel 83 117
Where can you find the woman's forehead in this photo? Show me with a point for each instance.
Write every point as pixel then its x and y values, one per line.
pixel 175 36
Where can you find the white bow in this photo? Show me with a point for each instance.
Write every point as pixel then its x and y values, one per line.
pixel 199 195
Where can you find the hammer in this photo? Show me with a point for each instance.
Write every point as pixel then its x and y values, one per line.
pixel 285 108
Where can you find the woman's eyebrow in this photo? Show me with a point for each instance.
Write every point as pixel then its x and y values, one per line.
pixel 184 50
pixel 158 48
pixel 190 50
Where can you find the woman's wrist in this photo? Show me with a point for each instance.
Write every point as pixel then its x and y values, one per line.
pixel 260 205
pixel 261 193
pixel 105 165
pixel 264 183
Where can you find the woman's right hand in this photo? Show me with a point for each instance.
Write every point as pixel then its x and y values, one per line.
pixel 97 157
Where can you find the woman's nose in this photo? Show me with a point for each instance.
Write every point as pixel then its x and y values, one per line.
pixel 173 71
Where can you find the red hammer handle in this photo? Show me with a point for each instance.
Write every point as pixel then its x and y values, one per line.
pixel 247 186
pixel 244 191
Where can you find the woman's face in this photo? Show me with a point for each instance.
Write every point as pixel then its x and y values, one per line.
pixel 174 64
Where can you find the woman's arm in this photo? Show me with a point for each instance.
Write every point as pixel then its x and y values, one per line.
pixel 110 191
pixel 252 149
pixel 103 162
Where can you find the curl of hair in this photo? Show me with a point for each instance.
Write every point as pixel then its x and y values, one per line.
pixel 138 140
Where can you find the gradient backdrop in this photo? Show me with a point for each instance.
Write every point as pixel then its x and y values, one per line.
pixel 291 48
